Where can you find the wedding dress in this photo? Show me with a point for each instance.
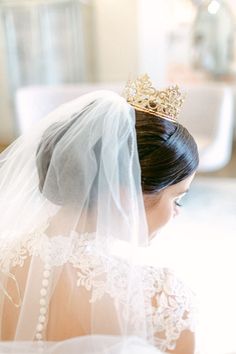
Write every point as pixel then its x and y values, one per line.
pixel 70 193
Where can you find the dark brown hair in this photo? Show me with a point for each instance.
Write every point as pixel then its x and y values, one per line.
pixel 167 152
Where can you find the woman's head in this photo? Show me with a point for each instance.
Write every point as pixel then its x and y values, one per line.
pixel 168 158
pixel 167 155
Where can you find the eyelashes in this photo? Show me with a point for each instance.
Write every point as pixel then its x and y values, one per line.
pixel 177 203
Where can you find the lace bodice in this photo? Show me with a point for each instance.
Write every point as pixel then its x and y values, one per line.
pixel 171 309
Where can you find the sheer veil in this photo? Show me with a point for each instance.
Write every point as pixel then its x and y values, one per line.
pixel 70 191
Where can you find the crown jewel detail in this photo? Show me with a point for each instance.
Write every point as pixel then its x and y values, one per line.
pixel 144 97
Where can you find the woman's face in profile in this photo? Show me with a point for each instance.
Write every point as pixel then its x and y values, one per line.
pixel 166 205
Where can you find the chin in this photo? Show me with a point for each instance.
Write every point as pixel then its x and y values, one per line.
pixel 153 234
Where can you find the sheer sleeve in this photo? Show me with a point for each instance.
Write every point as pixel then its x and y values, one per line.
pixel 173 309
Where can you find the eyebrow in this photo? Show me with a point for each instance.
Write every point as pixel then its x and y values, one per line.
pixel 184 192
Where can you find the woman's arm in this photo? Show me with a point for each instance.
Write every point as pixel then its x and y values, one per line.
pixel 185 344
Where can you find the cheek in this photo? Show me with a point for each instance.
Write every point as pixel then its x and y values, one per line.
pixel 165 214
pixel 159 216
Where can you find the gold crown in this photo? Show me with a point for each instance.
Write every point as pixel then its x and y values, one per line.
pixel 144 97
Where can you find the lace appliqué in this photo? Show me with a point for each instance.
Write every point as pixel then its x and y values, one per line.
pixel 168 303
pixel 173 309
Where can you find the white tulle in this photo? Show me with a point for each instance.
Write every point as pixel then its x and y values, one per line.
pixel 85 345
pixel 60 275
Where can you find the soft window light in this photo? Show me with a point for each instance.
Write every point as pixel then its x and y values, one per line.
pixel 213 7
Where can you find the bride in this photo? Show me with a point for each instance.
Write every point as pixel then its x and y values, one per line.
pixel 98 172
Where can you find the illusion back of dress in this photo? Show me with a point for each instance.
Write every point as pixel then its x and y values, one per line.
pixel 75 283
pixel 60 289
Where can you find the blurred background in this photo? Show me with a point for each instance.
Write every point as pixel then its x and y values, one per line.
pixel 52 51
